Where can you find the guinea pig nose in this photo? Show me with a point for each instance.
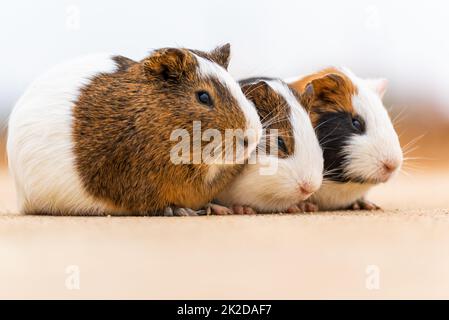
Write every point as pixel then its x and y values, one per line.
pixel 245 142
pixel 389 166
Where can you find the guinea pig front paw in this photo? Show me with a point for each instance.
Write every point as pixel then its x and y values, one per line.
pixel 363 204
pixel 180 212
pixel 304 206
pixel 216 209
pixel 237 209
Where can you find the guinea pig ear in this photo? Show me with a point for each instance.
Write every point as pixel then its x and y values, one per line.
pixel 168 64
pixel 378 85
pixel 321 88
pixel 222 55
pixel 254 90
pixel 307 96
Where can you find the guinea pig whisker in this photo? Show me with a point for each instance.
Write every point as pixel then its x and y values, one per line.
pixel 400 120
pixel 401 134
pixel 266 124
pixel 330 140
pixel 413 164
pixel 275 135
pixel 251 89
pixel 267 115
pixel 332 164
pixel 322 123
pixel 415 169
pixel 329 134
pixel 330 170
pixel 400 116
pixel 277 121
pixel 329 173
pixel 273 121
pixel 329 149
pixel 413 141
pixel 411 171
pixel 410 150
pixel 418 158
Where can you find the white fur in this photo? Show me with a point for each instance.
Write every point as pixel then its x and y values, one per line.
pixel 210 69
pixel 280 190
pixel 334 195
pixel 380 142
pixel 40 141
pixel 367 152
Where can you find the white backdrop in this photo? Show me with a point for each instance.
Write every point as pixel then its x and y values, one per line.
pixel 405 41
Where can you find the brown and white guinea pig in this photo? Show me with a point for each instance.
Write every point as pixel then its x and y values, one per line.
pixel 92 136
pixel 360 146
pixel 277 182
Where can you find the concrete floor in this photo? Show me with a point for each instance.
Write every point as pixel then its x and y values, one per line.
pixel 401 252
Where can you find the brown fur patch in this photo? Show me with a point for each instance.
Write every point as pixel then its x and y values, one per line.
pixel 328 90
pixel 274 113
pixel 122 126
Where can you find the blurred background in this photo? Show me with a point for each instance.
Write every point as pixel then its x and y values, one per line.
pixel 326 255
pixel 403 41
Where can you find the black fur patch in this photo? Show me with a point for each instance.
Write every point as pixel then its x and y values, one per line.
pixel 334 130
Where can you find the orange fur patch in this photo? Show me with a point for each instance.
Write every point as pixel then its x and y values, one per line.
pixel 332 92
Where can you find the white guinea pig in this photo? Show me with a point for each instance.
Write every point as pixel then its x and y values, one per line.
pixel 361 148
pixel 277 182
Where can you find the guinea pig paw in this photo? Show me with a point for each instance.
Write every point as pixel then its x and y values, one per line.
pixel 363 204
pixel 168 212
pixel 243 210
pixel 294 209
pixel 307 206
pixel 184 212
pixel 217 209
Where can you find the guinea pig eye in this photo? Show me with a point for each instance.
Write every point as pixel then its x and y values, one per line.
pixel 357 124
pixel 281 145
pixel 204 98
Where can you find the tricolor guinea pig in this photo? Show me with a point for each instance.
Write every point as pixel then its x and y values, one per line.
pixel 277 181
pixel 361 148
pixel 93 136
